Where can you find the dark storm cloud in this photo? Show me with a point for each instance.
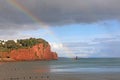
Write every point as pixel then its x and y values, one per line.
pixel 55 12
pixel 61 11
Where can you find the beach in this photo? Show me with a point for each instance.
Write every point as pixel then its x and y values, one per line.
pixel 87 76
pixel 61 70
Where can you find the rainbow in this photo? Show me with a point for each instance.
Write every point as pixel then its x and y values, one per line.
pixel 23 9
pixel 28 13
pixel 34 18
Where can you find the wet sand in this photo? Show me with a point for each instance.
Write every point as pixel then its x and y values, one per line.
pixel 42 71
pixel 64 76
pixel 86 76
pixel 45 74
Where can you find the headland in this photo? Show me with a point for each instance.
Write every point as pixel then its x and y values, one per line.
pixel 26 50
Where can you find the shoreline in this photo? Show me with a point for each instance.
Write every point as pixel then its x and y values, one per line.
pixel 12 60
pixel 6 60
pixel 86 76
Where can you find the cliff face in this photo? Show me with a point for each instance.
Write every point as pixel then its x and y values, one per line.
pixel 37 52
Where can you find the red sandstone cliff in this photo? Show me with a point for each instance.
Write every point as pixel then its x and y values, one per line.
pixel 37 52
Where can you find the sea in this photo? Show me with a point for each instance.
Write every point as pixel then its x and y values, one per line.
pixel 86 65
pixel 41 70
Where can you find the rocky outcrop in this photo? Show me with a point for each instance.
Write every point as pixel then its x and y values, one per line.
pixel 37 52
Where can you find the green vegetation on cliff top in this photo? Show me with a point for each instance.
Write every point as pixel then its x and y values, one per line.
pixel 21 43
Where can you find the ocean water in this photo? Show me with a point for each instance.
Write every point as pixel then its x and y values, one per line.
pixel 85 65
pixel 41 70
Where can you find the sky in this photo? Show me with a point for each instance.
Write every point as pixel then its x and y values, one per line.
pixel 83 28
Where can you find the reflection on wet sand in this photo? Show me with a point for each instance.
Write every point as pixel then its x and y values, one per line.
pixel 25 71
pixel 1 63
pixel 44 69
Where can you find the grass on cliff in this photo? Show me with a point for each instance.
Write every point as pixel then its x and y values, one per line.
pixel 9 45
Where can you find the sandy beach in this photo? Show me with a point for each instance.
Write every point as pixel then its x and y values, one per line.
pixel 86 76
pixel 64 76
pixel 59 70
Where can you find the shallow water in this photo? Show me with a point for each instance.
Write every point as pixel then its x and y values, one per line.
pixel 87 65
pixel 51 70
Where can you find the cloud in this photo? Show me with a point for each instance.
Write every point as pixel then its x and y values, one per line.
pixel 72 50
pixel 99 47
pixel 63 51
pixel 56 12
pixel 15 31
pixel 108 47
